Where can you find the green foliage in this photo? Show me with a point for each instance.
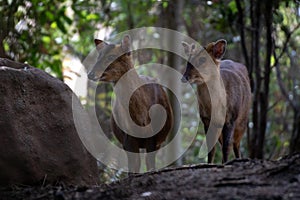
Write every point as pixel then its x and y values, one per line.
pixel 38 31
pixel 125 14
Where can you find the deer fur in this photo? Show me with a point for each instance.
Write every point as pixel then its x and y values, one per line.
pixel 238 94
pixel 119 62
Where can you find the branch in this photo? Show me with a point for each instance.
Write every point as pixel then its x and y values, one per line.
pixel 282 87
pixel 278 72
pixel 288 37
pixel 273 105
pixel 242 32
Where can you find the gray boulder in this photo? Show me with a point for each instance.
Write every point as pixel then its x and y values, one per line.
pixel 38 138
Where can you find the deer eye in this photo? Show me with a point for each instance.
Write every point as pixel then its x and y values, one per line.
pixel 111 58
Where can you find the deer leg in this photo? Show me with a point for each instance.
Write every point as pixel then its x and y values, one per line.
pixel 131 147
pixel 150 157
pixel 227 134
pixel 238 134
pixel 236 150
pixel 211 155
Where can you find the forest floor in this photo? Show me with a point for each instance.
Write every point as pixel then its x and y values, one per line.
pixel 238 179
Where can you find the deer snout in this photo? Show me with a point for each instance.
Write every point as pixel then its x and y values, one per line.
pixel 91 76
pixel 184 79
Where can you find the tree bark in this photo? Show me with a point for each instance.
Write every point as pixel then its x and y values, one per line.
pixel 174 11
pixel 255 60
pixel 264 94
pixel 295 139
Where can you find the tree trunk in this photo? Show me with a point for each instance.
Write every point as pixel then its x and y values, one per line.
pixel 295 139
pixel 255 60
pixel 174 11
pixel 261 78
pixel 264 93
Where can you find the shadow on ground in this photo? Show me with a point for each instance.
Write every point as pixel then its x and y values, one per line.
pixel 238 179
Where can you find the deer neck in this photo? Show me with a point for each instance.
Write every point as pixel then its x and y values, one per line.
pixel 127 84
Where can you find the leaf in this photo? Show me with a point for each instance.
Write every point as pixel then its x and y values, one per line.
pixel 67 19
pixel 92 16
pixel 49 15
pixel 53 25
pixel 46 39
pixel 165 4
pixel 232 6
pixel 6 46
pixel 278 18
pixel 61 26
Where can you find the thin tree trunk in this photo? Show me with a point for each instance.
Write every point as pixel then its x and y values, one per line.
pixel 242 34
pixel 295 139
pixel 175 12
pixel 255 21
pixel 130 21
pixel 2 51
pixel 264 94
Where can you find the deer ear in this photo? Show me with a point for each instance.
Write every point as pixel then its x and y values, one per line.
pixel 99 44
pixel 188 48
pixel 219 49
pixel 126 43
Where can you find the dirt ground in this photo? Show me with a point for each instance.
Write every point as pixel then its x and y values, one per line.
pixel 238 179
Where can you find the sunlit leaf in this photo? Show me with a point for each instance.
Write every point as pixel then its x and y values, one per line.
pixel 92 16
pixel 232 6
pixel 46 39
pixel 165 4
pixel 272 60
pixel 6 46
pixel 53 25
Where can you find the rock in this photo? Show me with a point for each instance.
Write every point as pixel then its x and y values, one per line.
pixel 38 139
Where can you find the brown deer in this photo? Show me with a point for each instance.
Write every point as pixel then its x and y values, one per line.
pixel 119 62
pixel 238 94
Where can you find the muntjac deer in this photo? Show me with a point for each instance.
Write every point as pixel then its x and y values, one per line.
pixel 238 94
pixel 119 62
